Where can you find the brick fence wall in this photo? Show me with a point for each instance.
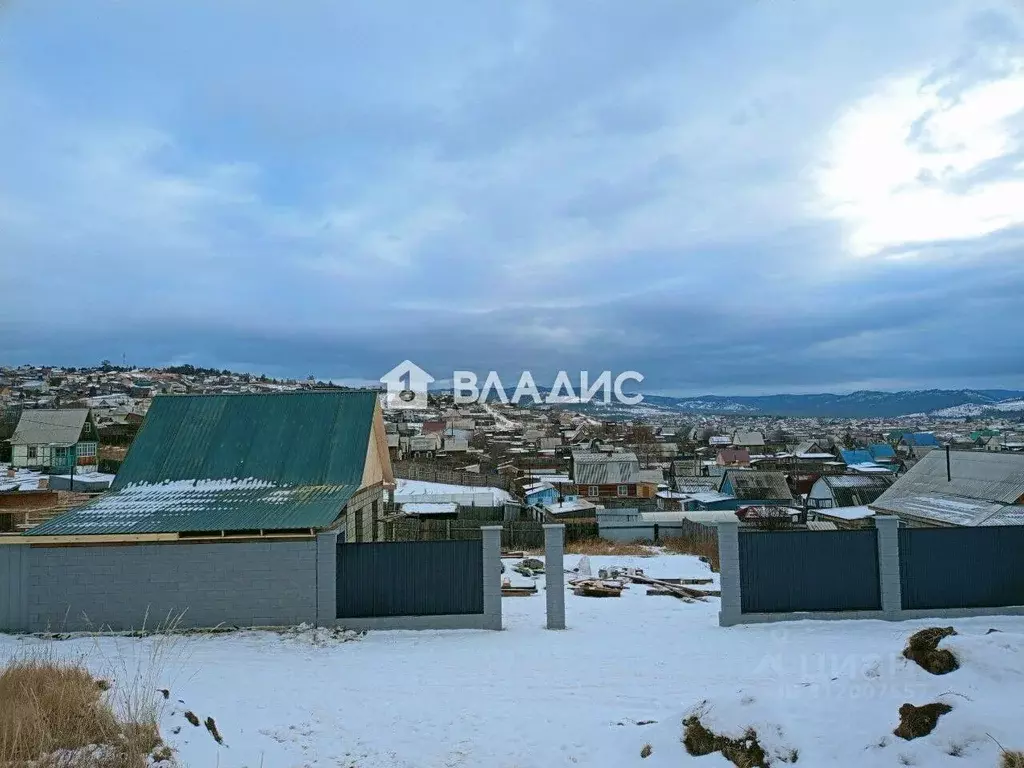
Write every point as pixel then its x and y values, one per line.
pixel 92 588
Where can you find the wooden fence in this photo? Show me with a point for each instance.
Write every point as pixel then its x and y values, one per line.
pixel 431 473
pixel 519 534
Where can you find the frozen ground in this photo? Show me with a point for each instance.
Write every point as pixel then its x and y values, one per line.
pixel 530 698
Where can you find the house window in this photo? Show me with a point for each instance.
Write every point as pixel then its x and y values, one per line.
pixel 359 525
pixel 593 490
pixel 33 452
pixel 87 449
pixel 375 518
pixel 623 490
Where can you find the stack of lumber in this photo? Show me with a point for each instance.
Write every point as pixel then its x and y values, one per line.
pixel 673 588
pixel 591 587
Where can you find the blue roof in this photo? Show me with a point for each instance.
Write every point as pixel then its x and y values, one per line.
pixel 881 451
pixel 856 457
pixel 920 438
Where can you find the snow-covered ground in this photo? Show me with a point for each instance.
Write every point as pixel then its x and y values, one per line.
pixel 530 698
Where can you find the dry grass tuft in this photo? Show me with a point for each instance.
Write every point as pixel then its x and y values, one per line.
pixel 922 648
pixel 55 714
pixel 1013 759
pixel 597 546
pixel 705 548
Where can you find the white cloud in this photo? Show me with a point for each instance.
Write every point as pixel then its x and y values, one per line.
pixel 890 187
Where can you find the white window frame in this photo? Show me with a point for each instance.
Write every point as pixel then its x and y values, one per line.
pixel 593 490
pixel 622 490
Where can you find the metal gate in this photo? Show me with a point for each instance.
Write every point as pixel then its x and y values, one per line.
pixel 962 567
pixel 410 578
pixel 787 571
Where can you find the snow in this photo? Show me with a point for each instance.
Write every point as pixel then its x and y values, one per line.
pixel 531 698
pixel 846 513
pixel 442 508
pixel 421 490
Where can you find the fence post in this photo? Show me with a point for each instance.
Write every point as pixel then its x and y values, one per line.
pixel 729 573
pixel 326 578
pixel 888 534
pixel 554 574
pixel 490 536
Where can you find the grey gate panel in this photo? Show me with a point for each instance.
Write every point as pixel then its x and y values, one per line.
pixel 14 588
pixel 410 578
pixel 787 571
pixel 962 567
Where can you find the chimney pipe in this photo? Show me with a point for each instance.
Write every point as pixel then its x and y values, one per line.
pixel 949 470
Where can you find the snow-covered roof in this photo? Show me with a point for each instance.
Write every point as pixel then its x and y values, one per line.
pixel 846 513
pixel 428 508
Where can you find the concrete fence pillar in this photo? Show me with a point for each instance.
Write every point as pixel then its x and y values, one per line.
pixel 888 528
pixel 491 542
pixel 729 573
pixel 326 578
pixel 554 574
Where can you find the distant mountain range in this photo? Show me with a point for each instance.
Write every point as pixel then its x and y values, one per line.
pixel 866 404
pixel 940 403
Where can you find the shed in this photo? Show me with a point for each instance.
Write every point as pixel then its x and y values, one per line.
pixel 244 464
pixel 756 486
pixel 847 490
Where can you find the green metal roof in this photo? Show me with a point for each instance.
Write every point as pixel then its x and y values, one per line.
pixel 202 506
pixel 234 462
pixel 291 438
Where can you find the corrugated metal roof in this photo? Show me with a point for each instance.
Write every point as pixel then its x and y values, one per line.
pixel 695 484
pixel 753 485
pixel 293 438
pixel 857 457
pixel 60 427
pixel 202 506
pixel 983 484
pixel 234 462
pixel 857 490
pixel 605 469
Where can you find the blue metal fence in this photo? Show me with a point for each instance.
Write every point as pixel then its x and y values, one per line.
pixel 786 571
pixel 962 567
pixel 410 578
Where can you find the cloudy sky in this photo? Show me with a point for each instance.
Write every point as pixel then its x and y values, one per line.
pixel 729 196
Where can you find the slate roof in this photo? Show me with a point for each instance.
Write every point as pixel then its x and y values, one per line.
pixel 748 439
pixel 923 439
pixel 757 486
pixel 985 489
pixel 234 462
pixel 605 469
pixel 857 490
pixel 60 427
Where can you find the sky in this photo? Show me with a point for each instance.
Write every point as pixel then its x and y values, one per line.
pixel 730 197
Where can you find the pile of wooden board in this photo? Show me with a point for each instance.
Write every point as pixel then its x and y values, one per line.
pixel 597 588
pixel 672 587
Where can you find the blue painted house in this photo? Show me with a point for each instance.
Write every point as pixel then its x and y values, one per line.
pixel 540 494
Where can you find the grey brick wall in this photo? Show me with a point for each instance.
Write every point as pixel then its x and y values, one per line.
pixel 125 587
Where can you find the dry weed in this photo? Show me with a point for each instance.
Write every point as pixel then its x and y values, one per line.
pixel 56 714
pixel 597 546
pixel 1013 759
pixel 708 549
